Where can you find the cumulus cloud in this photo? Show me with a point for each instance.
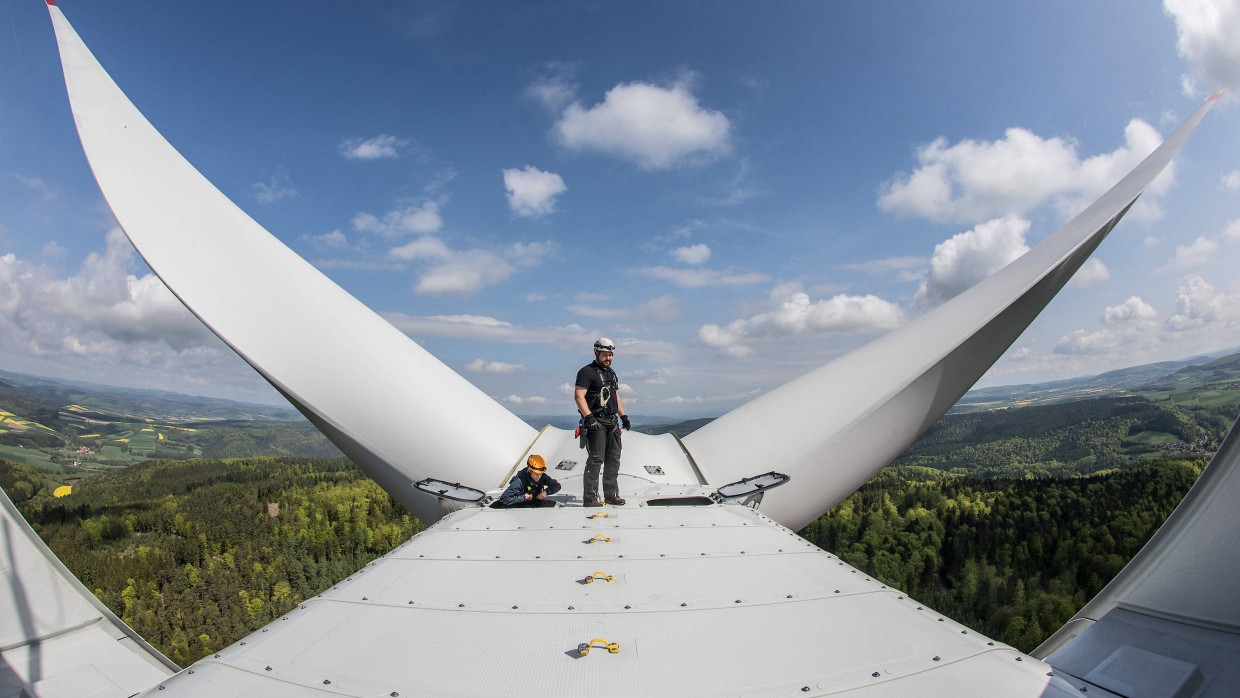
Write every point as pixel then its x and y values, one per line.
pixel 653 126
pixel 467 271
pixel 976 180
pixel 1194 254
pixel 1083 342
pixel 1093 271
pixel 1198 304
pixel 1207 40
pixel 1132 309
pixel 280 186
pixel 1231 180
pixel 104 305
pixel 693 254
pixel 480 366
pixel 532 192
pixel 1232 231
pixel 378 148
pixel 106 323
pixel 790 311
pixel 427 247
pixel 419 218
pixel 333 239
pixel 698 278
pixel 967 258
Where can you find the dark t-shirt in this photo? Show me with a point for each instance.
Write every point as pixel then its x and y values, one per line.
pixel 601 386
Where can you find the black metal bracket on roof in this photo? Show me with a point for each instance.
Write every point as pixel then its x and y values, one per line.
pixel 454 491
pixel 750 490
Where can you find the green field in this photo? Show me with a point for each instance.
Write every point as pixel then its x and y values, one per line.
pixel 29 456
pixel 1150 438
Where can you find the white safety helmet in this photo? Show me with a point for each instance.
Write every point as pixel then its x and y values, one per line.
pixel 604 344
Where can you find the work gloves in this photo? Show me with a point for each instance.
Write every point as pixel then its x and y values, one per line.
pixel 624 419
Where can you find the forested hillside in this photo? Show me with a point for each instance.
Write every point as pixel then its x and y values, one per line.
pixel 1011 558
pixel 1067 439
pixel 195 556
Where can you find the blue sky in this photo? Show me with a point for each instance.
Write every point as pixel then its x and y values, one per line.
pixel 735 192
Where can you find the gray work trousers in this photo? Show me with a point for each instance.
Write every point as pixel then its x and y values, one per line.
pixel 603 446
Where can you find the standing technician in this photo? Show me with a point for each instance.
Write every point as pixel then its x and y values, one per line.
pixel 598 401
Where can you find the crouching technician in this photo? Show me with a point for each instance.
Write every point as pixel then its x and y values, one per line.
pixel 530 487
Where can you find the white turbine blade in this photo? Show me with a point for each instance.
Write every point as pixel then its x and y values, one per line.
pixel 834 428
pixel 397 411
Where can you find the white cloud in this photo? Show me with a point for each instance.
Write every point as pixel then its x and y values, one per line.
pixel 789 311
pixel 693 254
pixel 555 89
pixel 105 323
pixel 1082 342
pixel 655 127
pixel 486 328
pixel 333 239
pixel 467 271
pixel 427 247
pixel 1207 39
pixel 1093 271
pixel 416 219
pixel 967 258
pixel 38 185
pixel 480 366
pixel 698 278
pixel 1231 180
pixel 464 273
pixel 377 148
pixel 975 180
pixel 1194 254
pixel 532 192
pixel 1232 231
pixel 280 186
pixel 1132 309
pixel 1198 304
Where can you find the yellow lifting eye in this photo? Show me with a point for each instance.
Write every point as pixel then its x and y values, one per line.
pixel 603 514
pixel 599 537
pixel 599 575
pixel 584 648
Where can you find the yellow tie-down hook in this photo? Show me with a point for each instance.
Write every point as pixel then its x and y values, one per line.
pixel 584 648
pixel 599 575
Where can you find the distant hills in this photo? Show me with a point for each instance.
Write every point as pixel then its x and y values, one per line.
pixel 72 429
pixel 1153 381
pixel 160 405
